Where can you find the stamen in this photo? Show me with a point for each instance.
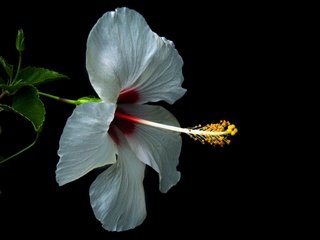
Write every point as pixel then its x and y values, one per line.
pixel 214 133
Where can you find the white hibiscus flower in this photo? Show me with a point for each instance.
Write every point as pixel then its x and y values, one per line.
pixel 128 65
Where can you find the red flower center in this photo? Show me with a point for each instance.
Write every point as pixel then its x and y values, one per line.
pixel 125 126
pixel 128 96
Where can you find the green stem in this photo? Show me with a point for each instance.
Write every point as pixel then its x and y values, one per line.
pixel 4 93
pixel 21 151
pixel 18 68
pixel 65 100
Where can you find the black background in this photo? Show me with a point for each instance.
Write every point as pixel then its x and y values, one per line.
pixel 221 192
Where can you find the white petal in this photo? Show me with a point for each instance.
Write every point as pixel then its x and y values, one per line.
pixel 123 53
pixel 163 77
pixel 85 143
pixel 157 148
pixel 117 195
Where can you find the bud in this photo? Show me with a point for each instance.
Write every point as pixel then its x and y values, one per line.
pixel 20 41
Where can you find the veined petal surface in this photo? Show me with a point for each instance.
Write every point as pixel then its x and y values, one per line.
pixel 85 143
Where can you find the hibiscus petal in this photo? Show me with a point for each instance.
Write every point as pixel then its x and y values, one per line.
pixel 124 54
pixel 157 148
pixel 163 77
pixel 85 143
pixel 117 194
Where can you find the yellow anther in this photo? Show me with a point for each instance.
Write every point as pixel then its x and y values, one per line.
pixel 234 131
pixel 214 133
pixel 232 126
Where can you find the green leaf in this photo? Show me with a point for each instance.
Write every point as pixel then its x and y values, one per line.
pixel 11 89
pixel 34 75
pixel 31 90
pixel 20 41
pixel 27 103
pixel 1 81
pixel 7 67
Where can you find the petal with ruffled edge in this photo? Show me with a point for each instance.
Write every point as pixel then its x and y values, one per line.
pixel 162 79
pixel 117 194
pixel 157 148
pixel 123 54
pixel 85 143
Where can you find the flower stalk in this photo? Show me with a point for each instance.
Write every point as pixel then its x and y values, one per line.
pixel 65 100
